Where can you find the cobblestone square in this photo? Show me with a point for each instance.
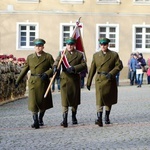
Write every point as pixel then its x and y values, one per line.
pixel 130 128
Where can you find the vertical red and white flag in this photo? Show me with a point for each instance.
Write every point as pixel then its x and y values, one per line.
pixel 79 42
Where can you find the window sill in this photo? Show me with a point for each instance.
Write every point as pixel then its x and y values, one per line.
pixel 28 1
pixel 72 1
pixel 108 2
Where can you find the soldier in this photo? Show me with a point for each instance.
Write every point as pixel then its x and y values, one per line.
pixel 40 64
pixel 73 64
pixel 1 81
pixel 17 70
pixel 22 84
pixel 12 75
pixel 5 78
pixel 106 64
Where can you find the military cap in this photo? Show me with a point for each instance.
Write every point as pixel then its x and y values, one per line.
pixel 14 58
pixel 104 41
pixel 23 59
pixel 70 40
pixel 11 56
pixel 39 41
pixel 4 56
pixel 19 59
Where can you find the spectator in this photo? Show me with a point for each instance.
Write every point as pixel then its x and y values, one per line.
pixel 139 69
pixel 133 63
pixel 148 71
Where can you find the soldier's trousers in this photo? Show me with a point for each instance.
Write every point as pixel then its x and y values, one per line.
pixel 100 108
pixel 65 108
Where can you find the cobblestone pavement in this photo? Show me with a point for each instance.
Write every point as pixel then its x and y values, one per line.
pixel 130 128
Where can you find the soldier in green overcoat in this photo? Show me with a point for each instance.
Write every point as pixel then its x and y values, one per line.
pixel 105 64
pixel 40 65
pixel 73 63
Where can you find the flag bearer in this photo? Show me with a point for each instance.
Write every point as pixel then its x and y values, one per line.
pixel 73 63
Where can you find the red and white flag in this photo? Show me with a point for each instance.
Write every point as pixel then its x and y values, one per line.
pixel 79 45
pixel 79 42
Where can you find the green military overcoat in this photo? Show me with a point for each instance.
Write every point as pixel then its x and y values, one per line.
pixel 37 86
pixel 70 83
pixel 106 89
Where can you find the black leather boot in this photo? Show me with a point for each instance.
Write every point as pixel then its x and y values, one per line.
pixel 74 119
pixel 41 115
pixel 107 121
pixel 99 120
pixel 36 122
pixel 64 123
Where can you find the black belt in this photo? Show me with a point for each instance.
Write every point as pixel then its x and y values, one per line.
pixel 104 73
pixel 36 75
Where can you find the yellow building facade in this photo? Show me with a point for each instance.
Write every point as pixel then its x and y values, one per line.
pixel 125 22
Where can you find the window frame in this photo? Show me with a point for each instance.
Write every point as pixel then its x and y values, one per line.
pixel 141 3
pixel 116 26
pixel 71 32
pixel 143 49
pixel 18 37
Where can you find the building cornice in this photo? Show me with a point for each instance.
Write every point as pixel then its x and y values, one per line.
pixel 74 13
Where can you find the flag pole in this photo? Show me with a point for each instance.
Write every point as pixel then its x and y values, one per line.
pixel 60 61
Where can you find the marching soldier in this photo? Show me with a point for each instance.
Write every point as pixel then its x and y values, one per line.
pixel 106 64
pixel 40 64
pixel 73 63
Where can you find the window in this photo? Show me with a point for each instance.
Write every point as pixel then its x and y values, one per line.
pixel 29 1
pixel 26 33
pixel 143 2
pixel 66 30
pixel 108 1
pixel 141 38
pixel 108 31
pixel 72 1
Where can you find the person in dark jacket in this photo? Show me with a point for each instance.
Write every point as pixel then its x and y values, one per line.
pixel 106 64
pixel 73 63
pixel 40 65
pixel 141 63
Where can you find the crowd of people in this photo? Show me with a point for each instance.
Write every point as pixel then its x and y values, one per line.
pixel 137 67
pixel 10 68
